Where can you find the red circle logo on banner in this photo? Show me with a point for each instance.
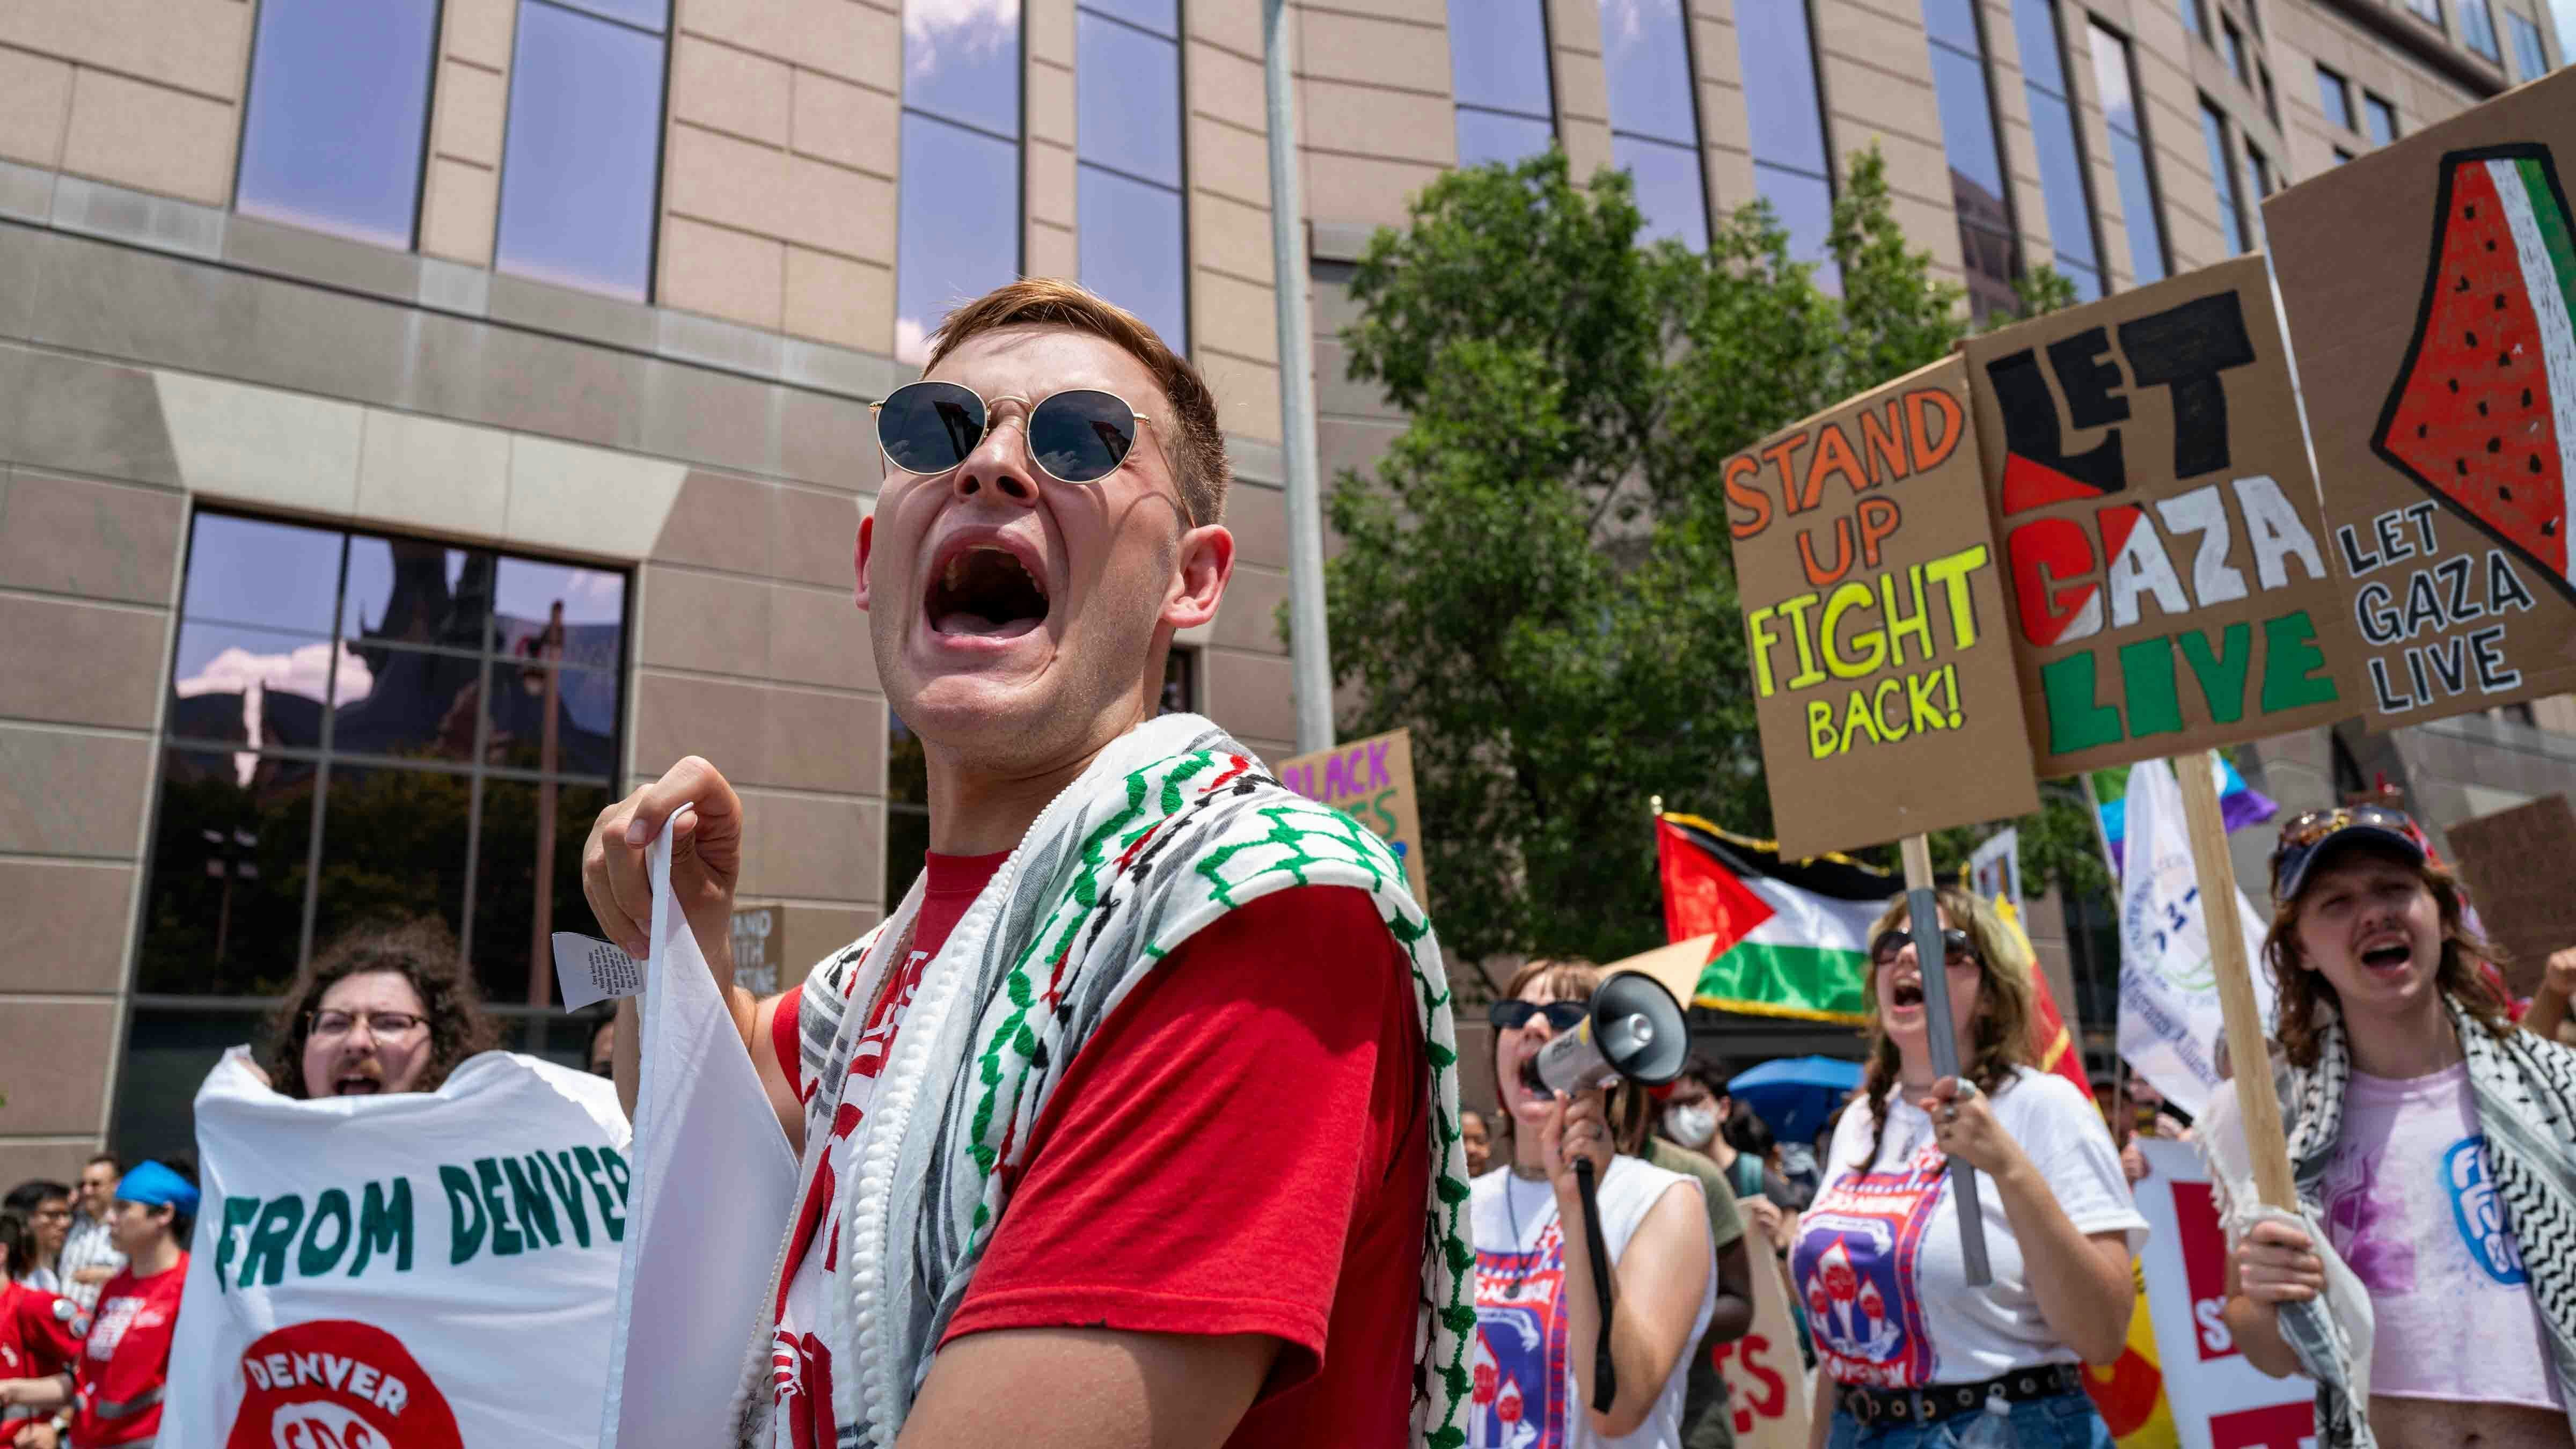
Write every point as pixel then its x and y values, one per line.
pixel 338 1384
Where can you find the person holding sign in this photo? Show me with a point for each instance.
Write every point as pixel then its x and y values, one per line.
pixel 1538 1316
pixel 1912 1354
pixel 2434 1142
pixel 382 1010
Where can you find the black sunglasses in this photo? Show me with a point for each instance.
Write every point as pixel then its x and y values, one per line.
pixel 1561 1015
pixel 1955 946
pixel 1078 436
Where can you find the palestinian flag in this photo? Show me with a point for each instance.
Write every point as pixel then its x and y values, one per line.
pixel 2483 413
pixel 1792 939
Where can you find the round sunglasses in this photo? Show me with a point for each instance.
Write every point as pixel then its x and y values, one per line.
pixel 1956 948
pixel 1078 436
pixel 1514 1014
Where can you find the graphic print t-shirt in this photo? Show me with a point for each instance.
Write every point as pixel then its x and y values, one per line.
pixel 2411 1204
pixel 800 1363
pixel 1526 1395
pixel 1877 1263
pixel 40 1336
pixel 126 1362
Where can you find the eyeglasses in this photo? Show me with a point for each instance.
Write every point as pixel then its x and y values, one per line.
pixel 1078 436
pixel 47 1215
pixel 1561 1015
pixel 336 1025
pixel 1956 948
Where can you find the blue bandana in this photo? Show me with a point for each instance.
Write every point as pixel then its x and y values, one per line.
pixel 153 1185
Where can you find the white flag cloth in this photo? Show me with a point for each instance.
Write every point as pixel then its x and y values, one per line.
pixel 713 1185
pixel 417 1271
pixel 2169 1020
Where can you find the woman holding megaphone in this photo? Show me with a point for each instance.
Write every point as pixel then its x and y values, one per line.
pixel 1538 1316
pixel 1915 1355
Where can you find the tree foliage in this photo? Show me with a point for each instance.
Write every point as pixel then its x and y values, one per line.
pixel 1537 580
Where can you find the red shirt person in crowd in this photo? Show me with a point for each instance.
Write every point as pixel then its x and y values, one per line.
pixel 1215 1227
pixel 114 1390
pixel 40 1334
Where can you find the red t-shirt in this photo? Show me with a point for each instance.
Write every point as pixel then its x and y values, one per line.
pixel 126 1362
pixel 1242 1147
pixel 40 1336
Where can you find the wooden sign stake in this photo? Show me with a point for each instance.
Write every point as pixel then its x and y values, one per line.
pixel 2256 1106
pixel 1924 909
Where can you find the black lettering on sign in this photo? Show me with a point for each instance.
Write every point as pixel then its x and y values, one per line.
pixel 2185 348
pixel 2031 431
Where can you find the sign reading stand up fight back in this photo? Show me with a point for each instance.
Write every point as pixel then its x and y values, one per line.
pixel 2168 564
pixel 1873 606
pixel 2430 306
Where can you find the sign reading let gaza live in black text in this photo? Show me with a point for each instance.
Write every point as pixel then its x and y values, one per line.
pixel 1883 688
pixel 2160 527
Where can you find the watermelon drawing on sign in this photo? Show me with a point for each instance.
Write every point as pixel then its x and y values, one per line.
pixel 2483 415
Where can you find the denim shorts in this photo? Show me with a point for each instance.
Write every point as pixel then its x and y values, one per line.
pixel 2060 1421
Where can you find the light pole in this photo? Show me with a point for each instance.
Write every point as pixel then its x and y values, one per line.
pixel 1310 666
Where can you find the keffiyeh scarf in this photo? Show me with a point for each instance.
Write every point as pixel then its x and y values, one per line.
pixel 2525 1092
pixel 1174 825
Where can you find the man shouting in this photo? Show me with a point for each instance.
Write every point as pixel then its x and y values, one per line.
pixel 1135 1123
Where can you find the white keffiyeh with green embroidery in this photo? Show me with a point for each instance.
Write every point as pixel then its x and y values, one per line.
pixel 1174 825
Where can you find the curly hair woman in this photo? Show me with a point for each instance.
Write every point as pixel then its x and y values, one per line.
pixel 384 1009
pixel 2434 1143
pixel 1912 1355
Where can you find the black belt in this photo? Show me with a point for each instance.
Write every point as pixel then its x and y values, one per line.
pixel 1931 1405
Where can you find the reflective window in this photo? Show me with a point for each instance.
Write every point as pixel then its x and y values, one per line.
pixel 2140 212
pixel 332 138
pixel 2428 11
pixel 2222 177
pixel 2271 102
pixel 1976 160
pixel 2380 119
pixel 363 726
pixel 2063 183
pixel 957 216
pixel 1127 88
pixel 2193 20
pixel 1792 165
pixel 2258 166
pixel 2477 30
pixel 2528 52
pixel 1498 71
pixel 579 165
pixel 2233 45
pixel 2335 94
pixel 1654 123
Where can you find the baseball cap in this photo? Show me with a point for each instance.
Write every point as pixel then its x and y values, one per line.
pixel 2307 837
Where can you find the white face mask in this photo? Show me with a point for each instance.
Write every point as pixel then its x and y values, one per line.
pixel 1691 1124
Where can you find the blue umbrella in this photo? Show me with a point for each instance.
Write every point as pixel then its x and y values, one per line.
pixel 1794 1095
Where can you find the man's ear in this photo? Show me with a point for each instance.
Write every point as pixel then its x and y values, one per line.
pixel 1198 582
pixel 859 557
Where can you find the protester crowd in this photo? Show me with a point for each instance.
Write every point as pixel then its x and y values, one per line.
pixel 1214 1180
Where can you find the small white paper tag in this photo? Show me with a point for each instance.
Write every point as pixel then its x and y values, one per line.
pixel 589 970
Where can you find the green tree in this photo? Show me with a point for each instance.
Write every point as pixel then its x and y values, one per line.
pixel 1538 578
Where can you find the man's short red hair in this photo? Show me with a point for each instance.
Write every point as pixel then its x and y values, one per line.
pixel 1197 451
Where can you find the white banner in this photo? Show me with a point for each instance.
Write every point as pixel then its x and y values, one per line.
pixel 1769 1388
pixel 714 1183
pixel 2219 1401
pixel 1994 868
pixel 418 1271
pixel 2169 1021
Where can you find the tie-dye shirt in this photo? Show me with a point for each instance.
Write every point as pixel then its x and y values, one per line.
pixel 2411 1204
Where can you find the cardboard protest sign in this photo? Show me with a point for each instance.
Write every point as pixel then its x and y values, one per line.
pixel 2219 1401
pixel 2429 288
pixel 2159 521
pixel 1370 780
pixel 1872 602
pixel 2517 863
pixel 1768 1388
pixel 361 1264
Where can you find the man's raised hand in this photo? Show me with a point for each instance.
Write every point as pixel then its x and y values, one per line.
pixel 706 861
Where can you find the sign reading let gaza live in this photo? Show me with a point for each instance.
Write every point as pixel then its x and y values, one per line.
pixel 1872 604
pixel 2430 303
pixel 2170 589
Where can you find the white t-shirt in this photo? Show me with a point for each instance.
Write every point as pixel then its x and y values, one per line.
pixel 1526 1394
pixel 2411 1203
pixel 1877 1263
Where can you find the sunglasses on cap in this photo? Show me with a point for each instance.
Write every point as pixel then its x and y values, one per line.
pixel 1561 1015
pixel 1078 436
pixel 1956 948
pixel 2305 837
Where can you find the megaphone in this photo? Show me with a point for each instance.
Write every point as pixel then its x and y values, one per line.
pixel 1634 1030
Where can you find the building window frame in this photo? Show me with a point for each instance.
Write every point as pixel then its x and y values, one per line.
pixel 652 220
pixel 2530 49
pixel 2079 270
pixel 2141 141
pixel 1698 141
pixel 2478 31
pixel 2218 135
pixel 1179 188
pixel 1827 273
pixel 2016 266
pixel 1547 73
pixel 2378 115
pixel 2334 94
pixel 258 79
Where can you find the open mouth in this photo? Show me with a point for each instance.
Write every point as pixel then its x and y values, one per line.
pixel 2390 956
pixel 985 591
pixel 357 1085
pixel 1906 993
